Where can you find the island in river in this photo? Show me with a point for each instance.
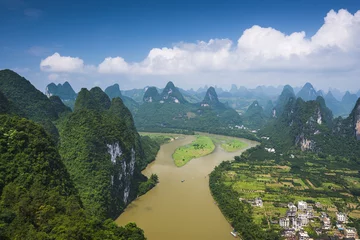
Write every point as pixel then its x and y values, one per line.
pixel 177 209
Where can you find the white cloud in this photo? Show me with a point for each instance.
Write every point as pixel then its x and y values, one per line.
pixel 113 65
pixel 334 47
pixel 257 49
pixel 57 63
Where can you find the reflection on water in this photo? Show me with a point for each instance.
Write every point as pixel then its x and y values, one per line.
pixel 181 210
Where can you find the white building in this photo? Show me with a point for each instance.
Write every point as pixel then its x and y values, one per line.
pixel 350 233
pixel 296 224
pixel 341 217
pixel 310 212
pixel 284 222
pixel 292 207
pixel 302 206
pixel 303 236
pixel 326 223
pixel 303 217
pixel 258 202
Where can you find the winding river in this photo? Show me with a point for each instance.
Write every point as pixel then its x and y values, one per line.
pixel 179 210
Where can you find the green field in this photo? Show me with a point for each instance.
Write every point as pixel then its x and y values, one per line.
pixel 233 145
pixel 228 144
pixel 202 146
pixel 278 182
pixel 160 138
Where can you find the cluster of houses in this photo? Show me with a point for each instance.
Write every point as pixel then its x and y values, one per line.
pixel 297 217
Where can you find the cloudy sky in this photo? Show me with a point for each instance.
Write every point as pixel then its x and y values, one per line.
pixel 191 42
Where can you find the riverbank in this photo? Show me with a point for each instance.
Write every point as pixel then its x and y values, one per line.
pixel 187 204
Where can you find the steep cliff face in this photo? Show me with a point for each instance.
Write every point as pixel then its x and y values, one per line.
pixel 355 119
pixel 102 150
pixel 301 122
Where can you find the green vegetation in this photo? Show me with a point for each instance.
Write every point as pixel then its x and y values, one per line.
pixel 239 214
pixel 164 114
pixel 103 152
pixel 144 187
pixel 280 178
pixel 26 101
pixel 233 145
pixel 38 199
pixel 200 147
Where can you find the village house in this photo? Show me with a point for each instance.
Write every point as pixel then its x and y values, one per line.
pixel 289 234
pixel 341 217
pixel 350 233
pixel 318 205
pixel 302 206
pixel 284 222
pixel 303 217
pixel 303 235
pixel 326 223
pixel 310 211
pixel 258 202
pixel 292 207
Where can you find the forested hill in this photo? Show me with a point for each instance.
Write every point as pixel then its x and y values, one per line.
pixel 310 126
pixel 26 101
pixel 156 114
pixel 102 151
pixel 38 199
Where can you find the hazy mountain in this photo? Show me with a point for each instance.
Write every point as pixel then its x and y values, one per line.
pixel 335 106
pixel 282 101
pixel 114 91
pixel 64 91
pixel 307 93
pixel 337 93
pixel 269 109
pixel 348 101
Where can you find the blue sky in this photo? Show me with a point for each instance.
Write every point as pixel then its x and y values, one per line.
pixel 95 30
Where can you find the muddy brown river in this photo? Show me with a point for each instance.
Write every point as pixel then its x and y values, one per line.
pixel 179 210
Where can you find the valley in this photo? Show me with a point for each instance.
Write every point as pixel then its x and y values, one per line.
pixel 177 209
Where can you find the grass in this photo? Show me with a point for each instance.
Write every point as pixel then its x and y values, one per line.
pixel 233 145
pixel 228 144
pixel 202 146
pixel 160 138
